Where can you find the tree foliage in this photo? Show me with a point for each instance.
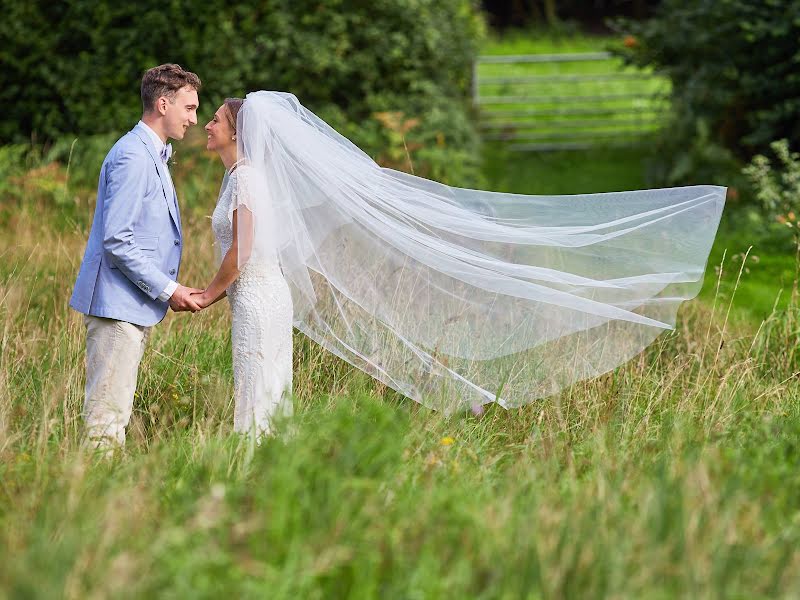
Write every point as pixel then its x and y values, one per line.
pixel 733 66
pixel 75 66
pixel 777 185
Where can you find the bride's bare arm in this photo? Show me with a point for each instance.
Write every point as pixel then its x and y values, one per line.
pixel 237 255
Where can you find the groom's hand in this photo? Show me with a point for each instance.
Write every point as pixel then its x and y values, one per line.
pixel 182 299
pixel 202 298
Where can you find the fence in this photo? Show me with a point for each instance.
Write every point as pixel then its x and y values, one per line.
pixel 543 102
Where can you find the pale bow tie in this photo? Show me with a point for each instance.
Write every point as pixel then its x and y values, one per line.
pixel 166 152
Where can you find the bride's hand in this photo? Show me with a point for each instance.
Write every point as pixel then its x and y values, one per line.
pixel 202 298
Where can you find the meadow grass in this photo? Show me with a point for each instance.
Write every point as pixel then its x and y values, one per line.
pixel 675 475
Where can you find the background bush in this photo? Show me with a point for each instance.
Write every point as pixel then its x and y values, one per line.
pixel 733 66
pixel 74 67
pixel 777 186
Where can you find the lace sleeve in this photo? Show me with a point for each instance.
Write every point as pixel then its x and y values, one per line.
pixel 241 190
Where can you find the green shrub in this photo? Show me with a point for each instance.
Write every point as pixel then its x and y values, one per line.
pixel 777 187
pixel 691 157
pixel 733 66
pixel 73 68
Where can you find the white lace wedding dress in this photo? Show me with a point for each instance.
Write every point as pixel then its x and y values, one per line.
pixel 261 307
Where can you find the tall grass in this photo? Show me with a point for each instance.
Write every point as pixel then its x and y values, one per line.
pixel 675 475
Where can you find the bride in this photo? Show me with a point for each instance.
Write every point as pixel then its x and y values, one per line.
pixel 453 297
pixel 261 304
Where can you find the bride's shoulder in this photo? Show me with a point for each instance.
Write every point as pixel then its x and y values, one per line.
pixel 242 179
pixel 242 171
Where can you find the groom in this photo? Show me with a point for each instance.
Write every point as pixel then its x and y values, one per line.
pixel 129 272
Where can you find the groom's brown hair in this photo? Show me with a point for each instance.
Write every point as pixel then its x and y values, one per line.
pixel 165 80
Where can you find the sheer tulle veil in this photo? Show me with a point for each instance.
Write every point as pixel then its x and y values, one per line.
pixel 457 297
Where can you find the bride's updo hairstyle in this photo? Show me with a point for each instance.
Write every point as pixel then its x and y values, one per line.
pixel 233 105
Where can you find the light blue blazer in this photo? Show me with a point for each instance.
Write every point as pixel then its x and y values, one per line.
pixel 135 243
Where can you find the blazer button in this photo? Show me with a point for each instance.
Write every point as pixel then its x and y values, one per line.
pixel 177 242
pixel 172 271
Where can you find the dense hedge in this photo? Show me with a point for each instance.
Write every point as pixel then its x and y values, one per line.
pixel 73 67
pixel 734 69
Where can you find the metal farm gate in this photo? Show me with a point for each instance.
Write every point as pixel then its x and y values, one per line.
pixel 540 102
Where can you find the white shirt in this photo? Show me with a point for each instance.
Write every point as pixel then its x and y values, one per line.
pixel 159 144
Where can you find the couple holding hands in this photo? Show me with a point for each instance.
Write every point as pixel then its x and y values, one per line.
pixel 454 297
pixel 129 274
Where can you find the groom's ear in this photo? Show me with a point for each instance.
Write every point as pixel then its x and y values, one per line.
pixel 158 107
pixel 161 105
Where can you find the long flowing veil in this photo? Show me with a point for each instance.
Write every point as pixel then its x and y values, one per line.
pixel 458 297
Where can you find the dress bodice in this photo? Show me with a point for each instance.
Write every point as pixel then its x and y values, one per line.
pixel 221 222
pixel 222 225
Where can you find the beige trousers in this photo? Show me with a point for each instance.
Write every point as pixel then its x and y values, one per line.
pixel 113 352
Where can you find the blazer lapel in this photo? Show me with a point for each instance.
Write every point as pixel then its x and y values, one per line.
pixel 170 198
pixel 177 208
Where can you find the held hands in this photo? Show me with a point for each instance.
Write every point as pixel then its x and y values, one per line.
pixel 202 298
pixel 185 299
